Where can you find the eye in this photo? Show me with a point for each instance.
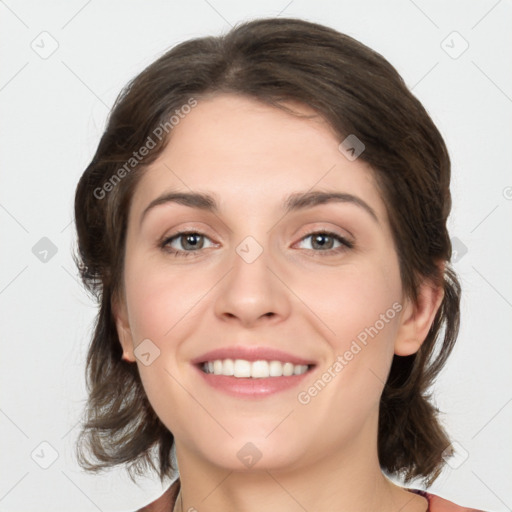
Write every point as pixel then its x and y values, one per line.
pixel 184 243
pixel 326 240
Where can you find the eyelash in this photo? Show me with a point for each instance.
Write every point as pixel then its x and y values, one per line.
pixel 345 244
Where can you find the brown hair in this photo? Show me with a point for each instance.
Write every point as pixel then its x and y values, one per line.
pixel 358 92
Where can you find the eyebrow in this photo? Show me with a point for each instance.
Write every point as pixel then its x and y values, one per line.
pixel 293 202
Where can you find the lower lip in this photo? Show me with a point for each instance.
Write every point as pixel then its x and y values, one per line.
pixel 249 387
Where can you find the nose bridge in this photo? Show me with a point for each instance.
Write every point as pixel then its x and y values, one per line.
pixel 251 289
pixel 251 265
pixel 250 235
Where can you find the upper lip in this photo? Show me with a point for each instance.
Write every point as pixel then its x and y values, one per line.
pixel 251 354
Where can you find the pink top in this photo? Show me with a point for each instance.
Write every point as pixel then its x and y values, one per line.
pixel 165 503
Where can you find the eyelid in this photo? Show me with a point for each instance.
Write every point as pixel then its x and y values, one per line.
pixel 199 228
pixel 334 231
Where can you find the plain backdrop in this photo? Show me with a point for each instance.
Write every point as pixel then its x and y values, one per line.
pixel 63 64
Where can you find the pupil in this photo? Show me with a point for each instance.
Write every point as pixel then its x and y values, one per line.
pixel 191 240
pixel 319 238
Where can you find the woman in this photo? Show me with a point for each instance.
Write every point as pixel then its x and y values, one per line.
pixel 264 225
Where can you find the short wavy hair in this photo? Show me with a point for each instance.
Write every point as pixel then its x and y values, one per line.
pixel 357 91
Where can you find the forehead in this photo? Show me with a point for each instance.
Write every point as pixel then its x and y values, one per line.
pixel 251 154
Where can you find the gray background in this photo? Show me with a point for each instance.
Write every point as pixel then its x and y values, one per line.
pixel 53 111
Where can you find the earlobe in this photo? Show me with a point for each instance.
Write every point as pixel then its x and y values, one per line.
pixel 417 318
pixel 123 329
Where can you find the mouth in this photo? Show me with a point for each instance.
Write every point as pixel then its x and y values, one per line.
pixel 246 372
pixel 259 369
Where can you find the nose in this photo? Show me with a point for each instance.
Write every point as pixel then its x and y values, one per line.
pixel 254 290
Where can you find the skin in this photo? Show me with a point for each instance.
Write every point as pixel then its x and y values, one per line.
pixel 316 456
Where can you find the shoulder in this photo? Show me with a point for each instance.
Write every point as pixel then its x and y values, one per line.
pixel 438 504
pixel 165 502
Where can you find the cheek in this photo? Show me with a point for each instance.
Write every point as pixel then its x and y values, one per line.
pixel 353 301
pixel 162 301
pixel 163 306
pixel 360 312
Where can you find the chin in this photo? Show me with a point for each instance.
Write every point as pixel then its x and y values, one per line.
pixel 252 453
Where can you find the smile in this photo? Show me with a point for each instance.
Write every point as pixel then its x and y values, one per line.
pixel 261 369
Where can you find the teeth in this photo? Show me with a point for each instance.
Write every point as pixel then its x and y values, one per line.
pixel 288 369
pixel 228 367
pixel 276 368
pixel 242 368
pixel 254 369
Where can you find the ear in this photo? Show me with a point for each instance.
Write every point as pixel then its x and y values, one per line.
pixel 124 333
pixel 417 317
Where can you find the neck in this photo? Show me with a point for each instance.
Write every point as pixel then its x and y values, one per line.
pixel 347 480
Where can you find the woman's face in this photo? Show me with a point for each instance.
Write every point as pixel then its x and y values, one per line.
pixel 259 277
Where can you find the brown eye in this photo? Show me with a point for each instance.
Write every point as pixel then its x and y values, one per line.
pixel 324 241
pixel 184 243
